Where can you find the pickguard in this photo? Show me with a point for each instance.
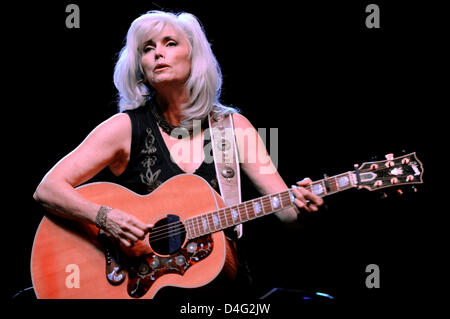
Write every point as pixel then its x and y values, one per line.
pixel 144 271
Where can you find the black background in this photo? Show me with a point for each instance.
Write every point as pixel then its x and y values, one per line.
pixel 338 93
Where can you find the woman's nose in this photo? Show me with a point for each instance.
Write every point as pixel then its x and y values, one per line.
pixel 159 52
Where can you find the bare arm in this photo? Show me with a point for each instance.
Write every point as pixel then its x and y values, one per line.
pixel 257 164
pixel 107 145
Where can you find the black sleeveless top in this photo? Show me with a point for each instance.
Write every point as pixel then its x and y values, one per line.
pixel 150 162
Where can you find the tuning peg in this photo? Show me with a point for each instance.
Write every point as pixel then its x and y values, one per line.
pixel 383 195
pixel 394 180
pixel 378 183
pixel 415 189
pixel 390 158
pixel 399 192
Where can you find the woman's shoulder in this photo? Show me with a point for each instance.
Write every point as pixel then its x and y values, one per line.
pixel 240 121
pixel 112 128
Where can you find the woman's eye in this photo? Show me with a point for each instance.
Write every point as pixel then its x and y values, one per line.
pixel 171 43
pixel 148 49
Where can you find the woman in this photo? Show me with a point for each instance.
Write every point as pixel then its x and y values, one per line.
pixel 167 77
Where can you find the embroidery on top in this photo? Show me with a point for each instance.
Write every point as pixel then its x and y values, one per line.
pixel 150 178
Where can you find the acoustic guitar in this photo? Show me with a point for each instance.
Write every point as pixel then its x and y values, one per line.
pixel 186 246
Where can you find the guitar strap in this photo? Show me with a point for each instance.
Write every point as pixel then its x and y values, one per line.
pixel 226 160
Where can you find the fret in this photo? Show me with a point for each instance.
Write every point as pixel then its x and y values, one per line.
pixel 326 183
pixel 227 216
pixel 238 209
pixel 282 197
pixel 267 204
pixel 246 211
pixel 194 230
pixel 223 219
pixel 194 227
pixel 287 199
pixel 197 225
pixel 244 207
pixel 332 182
pixel 210 221
pixel 188 228
pixel 250 211
pixel 220 217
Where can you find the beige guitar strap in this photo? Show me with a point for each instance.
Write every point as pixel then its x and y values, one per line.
pixel 226 160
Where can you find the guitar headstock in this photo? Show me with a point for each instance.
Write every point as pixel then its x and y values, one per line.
pixel 403 170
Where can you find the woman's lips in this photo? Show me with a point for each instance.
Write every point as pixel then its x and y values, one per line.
pixel 160 67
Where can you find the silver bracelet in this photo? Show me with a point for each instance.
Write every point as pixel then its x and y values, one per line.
pixel 100 219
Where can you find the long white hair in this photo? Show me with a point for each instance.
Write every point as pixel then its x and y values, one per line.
pixel 203 84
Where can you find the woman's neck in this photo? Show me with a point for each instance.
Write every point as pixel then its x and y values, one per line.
pixel 171 103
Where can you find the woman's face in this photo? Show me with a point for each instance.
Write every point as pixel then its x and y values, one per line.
pixel 165 58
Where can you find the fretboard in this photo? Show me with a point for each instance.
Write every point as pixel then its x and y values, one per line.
pixel 230 216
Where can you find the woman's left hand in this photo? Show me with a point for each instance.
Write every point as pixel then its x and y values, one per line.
pixel 304 199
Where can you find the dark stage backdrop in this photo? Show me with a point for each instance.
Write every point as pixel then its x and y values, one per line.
pixel 337 92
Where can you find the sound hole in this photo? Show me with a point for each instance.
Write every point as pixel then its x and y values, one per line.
pixel 167 235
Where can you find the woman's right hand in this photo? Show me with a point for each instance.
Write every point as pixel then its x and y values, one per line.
pixel 125 228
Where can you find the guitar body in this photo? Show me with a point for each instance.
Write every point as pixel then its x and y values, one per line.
pixel 68 260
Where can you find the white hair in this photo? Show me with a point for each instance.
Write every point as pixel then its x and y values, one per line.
pixel 203 84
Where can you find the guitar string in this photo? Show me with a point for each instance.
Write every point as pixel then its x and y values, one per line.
pixel 181 228
pixel 332 181
pixel 225 213
pixel 265 198
pixel 225 216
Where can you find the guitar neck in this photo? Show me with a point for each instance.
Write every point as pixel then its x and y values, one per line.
pixel 223 218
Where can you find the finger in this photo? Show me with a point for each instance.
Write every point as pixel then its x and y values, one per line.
pixel 312 207
pixel 317 200
pixel 125 242
pixel 129 236
pixel 129 227
pixel 299 200
pixel 301 205
pixel 139 233
pixel 298 194
pixel 142 226
pixel 304 182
